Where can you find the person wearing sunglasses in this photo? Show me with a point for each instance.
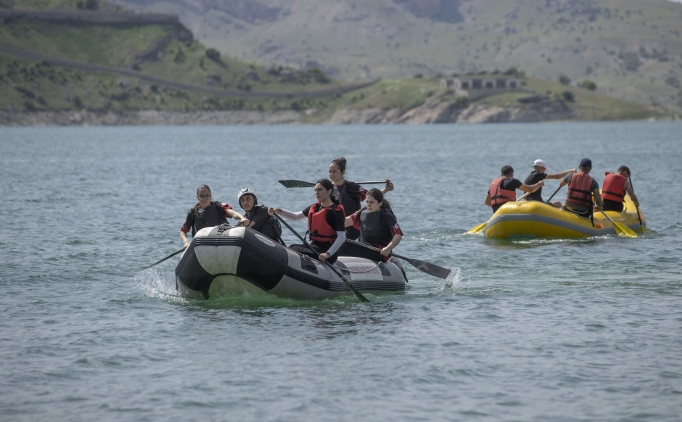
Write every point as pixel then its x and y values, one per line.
pixel 207 213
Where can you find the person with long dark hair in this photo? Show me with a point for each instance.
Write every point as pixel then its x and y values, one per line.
pixel 378 226
pixel 325 223
pixel 207 213
pixel 348 193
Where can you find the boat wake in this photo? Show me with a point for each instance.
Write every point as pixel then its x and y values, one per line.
pixel 159 284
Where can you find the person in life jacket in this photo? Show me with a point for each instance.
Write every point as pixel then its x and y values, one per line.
pixel 258 216
pixel 325 223
pixel 378 226
pixel 614 189
pixel 503 189
pixel 583 191
pixel 348 193
pixel 207 213
pixel 538 174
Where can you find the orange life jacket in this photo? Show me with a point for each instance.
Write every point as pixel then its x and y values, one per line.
pixel 614 187
pixel 320 230
pixel 498 195
pixel 579 189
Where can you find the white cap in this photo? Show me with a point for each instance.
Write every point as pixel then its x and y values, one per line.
pixel 539 163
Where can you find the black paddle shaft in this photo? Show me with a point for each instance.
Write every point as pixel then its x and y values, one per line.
pixel 161 260
pixel 639 217
pixel 350 286
pixel 555 192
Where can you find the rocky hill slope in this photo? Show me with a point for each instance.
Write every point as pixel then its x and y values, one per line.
pixel 631 48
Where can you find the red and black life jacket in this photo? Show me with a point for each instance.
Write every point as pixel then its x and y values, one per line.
pixel 320 230
pixel 614 187
pixel 579 189
pixel 499 196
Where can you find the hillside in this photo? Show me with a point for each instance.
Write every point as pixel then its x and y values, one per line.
pixel 141 62
pixel 70 62
pixel 631 48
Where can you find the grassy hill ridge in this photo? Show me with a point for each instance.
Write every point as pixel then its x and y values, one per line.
pixel 169 50
pixel 632 49
pixel 163 50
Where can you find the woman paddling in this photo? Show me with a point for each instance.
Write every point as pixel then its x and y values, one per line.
pixel 377 225
pixel 207 213
pixel 325 223
pixel 349 194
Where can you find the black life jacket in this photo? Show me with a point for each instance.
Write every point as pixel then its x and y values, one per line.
pixel 270 228
pixel 372 229
pixel 350 205
pixel 211 217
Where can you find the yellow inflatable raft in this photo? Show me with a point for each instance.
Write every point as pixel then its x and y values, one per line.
pixel 537 219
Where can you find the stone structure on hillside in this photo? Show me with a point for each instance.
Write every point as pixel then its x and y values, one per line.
pixel 478 86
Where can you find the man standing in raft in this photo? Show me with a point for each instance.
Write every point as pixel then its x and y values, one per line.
pixel 538 174
pixel 503 189
pixel 614 189
pixel 581 189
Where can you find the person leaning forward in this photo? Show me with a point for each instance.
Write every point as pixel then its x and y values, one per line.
pixel 503 189
pixel 583 191
pixel 614 189
pixel 538 174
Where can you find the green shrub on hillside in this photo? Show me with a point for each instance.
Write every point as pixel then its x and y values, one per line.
pixel 317 74
pixel 565 80
pixel 588 84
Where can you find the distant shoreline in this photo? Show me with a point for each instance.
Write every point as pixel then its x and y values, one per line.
pixel 217 117
pixel 146 117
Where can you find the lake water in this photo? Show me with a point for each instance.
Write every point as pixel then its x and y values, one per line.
pixel 528 330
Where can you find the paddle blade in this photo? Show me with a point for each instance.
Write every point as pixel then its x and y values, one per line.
pixel 296 184
pixel 478 228
pixel 431 269
pixel 623 230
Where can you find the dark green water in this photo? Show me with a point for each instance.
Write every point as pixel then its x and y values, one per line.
pixel 561 330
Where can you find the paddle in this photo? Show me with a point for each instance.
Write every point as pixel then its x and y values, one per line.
pixel 555 192
pixel 169 256
pixel 350 286
pixel 639 217
pixel 621 229
pixel 426 267
pixel 302 184
pixel 481 226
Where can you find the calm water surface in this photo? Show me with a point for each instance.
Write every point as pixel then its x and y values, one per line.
pixel 528 330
